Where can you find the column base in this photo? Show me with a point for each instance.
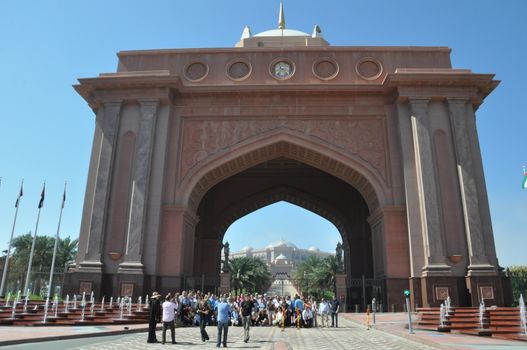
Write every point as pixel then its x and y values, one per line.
pixel 128 284
pixel 134 268
pixel 481 270
pixel 436 289
pixel 79 281
pixel 493 290
pixel 89 266
pixel 416 296
pixel 436 270
pixel 225 283
pixel 341 290
pixel 394 293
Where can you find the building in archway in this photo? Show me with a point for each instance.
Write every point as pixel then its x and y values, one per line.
pixel 381 141
pixel 281 256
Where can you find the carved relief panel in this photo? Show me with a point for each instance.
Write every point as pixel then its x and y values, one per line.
pixel 360 137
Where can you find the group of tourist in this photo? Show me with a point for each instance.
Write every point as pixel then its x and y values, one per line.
pixel 197 309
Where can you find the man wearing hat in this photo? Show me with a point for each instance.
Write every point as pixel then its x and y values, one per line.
pixel 154 317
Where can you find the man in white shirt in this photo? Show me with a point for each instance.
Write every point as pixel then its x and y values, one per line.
pixel 324 312
pixel 314 308
pixel 169 313
pixel 307 316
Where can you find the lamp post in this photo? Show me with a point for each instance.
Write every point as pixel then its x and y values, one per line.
pixel 407 296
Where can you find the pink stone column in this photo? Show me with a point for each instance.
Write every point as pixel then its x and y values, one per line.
pixel 479 261
pixel 427 188
pixel 100 176
pixel 139 192
pixel 176 244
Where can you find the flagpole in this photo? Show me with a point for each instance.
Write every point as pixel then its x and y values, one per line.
pixel 26 285
pixel 6 263
pixel 56 243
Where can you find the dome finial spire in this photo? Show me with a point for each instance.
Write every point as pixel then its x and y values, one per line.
pixel 281 17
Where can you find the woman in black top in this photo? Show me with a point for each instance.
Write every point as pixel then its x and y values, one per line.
pixel 154 317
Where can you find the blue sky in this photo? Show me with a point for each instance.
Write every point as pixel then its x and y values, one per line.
pixel 46 129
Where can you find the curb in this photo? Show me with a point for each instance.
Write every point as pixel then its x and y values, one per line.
pixel 405 336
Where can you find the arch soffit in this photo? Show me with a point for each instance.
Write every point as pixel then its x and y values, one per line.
pixel 290 195
pixel 352 170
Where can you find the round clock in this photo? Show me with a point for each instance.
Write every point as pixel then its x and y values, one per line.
pixel 282 68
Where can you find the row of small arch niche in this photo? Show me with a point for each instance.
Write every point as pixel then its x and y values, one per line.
pixel 326 68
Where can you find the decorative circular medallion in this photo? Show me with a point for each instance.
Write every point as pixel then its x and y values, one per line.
pixel 239 69
pixel 369 68
pixel 325 68
pixel 196 71
pixel 282 69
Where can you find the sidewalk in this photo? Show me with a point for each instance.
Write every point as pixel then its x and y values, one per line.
pixel 393 323
pixel 396 324
pixel 10 335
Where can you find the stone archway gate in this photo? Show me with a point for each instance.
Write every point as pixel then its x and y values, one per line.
pixel 395 123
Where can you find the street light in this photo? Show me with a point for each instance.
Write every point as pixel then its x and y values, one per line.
pixel 407 296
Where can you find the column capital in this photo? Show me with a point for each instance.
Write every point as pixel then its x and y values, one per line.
pixel 148 108
pixel 455 101
pixel 149 102
pixel 418 105
pixel 189 216
pixel 113 104
pixel 456 108
pixel 419 100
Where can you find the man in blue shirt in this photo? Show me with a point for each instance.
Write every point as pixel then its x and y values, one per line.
pixel 224 311
pixel 298 308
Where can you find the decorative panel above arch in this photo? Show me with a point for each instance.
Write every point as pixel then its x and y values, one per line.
pixel 358 137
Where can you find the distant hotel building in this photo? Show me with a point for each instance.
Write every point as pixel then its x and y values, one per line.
pixel 281 256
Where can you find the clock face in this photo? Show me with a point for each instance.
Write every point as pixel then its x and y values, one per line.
pixel 282 70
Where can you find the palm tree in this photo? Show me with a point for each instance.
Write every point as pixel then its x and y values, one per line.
pixel 317 275
pixel 42 257
pixel 306 274
pixel 67 251
pixel 249 274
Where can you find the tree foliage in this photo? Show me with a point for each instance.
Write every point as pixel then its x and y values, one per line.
pixel 316 276
pixel 518 276
pixel 249 274
pixel 42 257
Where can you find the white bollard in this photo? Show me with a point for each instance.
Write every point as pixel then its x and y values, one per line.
pixel 25 301
pixel 66 303
pixel 523 316
pixel 14 309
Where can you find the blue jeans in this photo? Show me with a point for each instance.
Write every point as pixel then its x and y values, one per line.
pixel 222 327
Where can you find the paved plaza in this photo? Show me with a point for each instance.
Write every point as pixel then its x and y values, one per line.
pixel 348 336
pixel 389 333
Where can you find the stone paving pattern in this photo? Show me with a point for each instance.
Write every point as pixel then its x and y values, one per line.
pixel 348 336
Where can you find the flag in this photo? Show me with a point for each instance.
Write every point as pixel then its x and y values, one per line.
pixel 63 198
pixel 42 195
pixel 20 194
pixel 524 183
